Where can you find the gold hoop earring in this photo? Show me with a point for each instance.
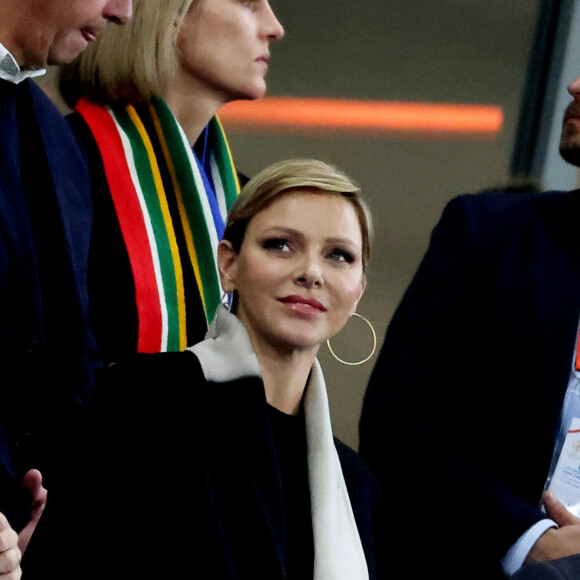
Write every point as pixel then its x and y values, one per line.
pixel 364 360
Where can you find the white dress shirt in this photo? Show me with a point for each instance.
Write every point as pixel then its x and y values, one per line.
pixel 11 72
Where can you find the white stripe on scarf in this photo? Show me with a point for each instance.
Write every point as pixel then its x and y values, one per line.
pixel 149 227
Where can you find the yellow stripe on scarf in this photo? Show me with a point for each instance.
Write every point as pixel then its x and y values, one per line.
pixel 168 225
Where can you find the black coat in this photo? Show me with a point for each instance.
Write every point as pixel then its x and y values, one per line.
pixel 47 355
pixel 179 477
pixel 462 409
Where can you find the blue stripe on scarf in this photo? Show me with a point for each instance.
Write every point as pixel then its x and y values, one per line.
pixel 212 199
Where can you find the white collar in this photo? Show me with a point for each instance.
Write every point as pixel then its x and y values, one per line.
pixel 11 72
pixel 227 354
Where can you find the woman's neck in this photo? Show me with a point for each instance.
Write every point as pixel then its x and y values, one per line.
pixel 285 376
pixel 192 106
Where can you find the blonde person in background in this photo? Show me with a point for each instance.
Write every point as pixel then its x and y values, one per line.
pixel 164 178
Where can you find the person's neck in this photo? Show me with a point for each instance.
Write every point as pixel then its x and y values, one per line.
pixel 285 375
pixel 15 22
pixel 192 107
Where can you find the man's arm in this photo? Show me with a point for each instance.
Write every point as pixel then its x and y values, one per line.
pixel 556 554
pixel 557 542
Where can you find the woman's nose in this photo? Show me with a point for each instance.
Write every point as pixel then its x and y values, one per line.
pixel 273 30
pixel 310 273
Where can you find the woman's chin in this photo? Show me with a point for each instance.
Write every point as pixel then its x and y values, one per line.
pixel 250 93
pixel 302 343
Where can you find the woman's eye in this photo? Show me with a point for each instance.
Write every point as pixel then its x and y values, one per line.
pixel 277 244
pixel 341 256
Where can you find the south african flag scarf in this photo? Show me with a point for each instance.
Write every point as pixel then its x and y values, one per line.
pixel 147 161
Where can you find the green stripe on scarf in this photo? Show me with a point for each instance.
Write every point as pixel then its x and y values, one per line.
pixel 221 150
pixel 198 216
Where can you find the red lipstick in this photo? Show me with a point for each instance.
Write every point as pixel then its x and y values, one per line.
pixel 302 304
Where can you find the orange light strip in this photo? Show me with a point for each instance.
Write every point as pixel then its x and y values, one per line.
pixel 342 115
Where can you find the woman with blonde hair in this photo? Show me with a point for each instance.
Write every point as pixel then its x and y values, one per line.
pixel 145 107
pixel 219 462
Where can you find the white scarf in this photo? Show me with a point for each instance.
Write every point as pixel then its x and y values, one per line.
pixel 226 355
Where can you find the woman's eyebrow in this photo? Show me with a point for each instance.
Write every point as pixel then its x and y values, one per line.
pixel 341 240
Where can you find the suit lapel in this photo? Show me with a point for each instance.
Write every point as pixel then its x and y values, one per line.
pixel 68 172
pixel 14 218
pixel 556 255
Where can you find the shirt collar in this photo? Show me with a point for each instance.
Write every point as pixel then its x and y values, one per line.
pixel 11 72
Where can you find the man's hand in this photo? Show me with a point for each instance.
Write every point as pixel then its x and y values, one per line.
pixel 557 542
pixel 32 482
pixel 9 552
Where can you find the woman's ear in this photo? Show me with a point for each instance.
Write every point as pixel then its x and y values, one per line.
pixel 363 285
pixel 227 260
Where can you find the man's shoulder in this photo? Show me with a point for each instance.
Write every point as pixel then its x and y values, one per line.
pixel 495 201
pixel 498 210
pixel 27 100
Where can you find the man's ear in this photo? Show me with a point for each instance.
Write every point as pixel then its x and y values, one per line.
pixel 227 259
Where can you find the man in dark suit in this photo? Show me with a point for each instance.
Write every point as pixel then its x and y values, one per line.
pixel 465 404
pixel 47 354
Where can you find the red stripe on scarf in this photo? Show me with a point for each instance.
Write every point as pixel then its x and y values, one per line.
pixel 131 221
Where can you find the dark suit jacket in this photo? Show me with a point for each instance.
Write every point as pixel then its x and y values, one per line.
pixel 463 406
pixel 47 356
pixel 561 569
pixel 179 477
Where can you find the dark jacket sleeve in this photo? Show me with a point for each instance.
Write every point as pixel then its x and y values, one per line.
pixel 561 569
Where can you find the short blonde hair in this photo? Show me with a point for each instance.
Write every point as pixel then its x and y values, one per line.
pixel 129 63
pixel 292 175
